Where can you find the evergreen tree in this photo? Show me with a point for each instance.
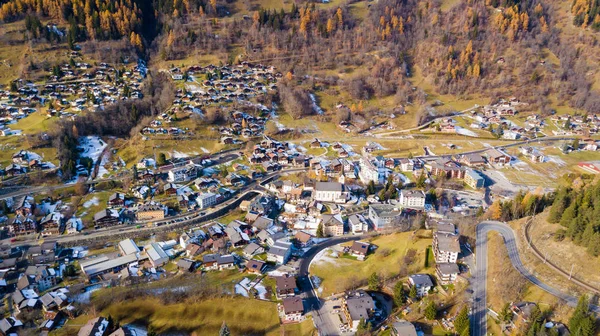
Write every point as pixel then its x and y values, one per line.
pixel 462 320
pixel 320 233
pixel 413 292
pixel 374 282
pixel 399 294
pixel 430 311
pixel 581 322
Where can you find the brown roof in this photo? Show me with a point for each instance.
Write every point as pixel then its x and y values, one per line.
pixel 255 265
pixel 285 282
pixel 360 247
pixel 302 236
pixel 293 305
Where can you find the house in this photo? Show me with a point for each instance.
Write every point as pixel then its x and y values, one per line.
pixel 156 254
pixel 185 265
pixel 472 160
pixel 261 222
pixel 285 286
pixel 192 250
pixel 370 172
pixel 473 179
pixel 406 165
pixel 206 200
pixel 9 326
pixel 116 200
pixel 303 238
pixel 44 277
pixel 533 154
pixel 183 173
pixel 253 249
pixel 24 206
pixel 358 224
pixel 360 249
pixel 422 283
pixel 496 156
pixel 446 272
pixel 106 218
pixel 74 225
pixel 209 261
pixel 170 189
pixel 357 306
pixel 403 328
pixel 333 225
pixel 293 309
pixel 331 192
pixel 445 248
pixel 255 266
pixel 95 327
pixel 414 199
pixel 225 262
pixel 383 216
pixel 22 225
pixel 150 212
pixel 280 252
pixel 523 310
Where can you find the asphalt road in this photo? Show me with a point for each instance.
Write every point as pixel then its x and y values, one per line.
pixel 478 315
pixel 321 317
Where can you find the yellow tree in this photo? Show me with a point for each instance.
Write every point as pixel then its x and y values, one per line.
pixel 340 17
pixel 329 25
pixel 170 39
pixel 495 210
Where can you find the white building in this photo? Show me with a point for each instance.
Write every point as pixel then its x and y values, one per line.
pixel 383 215
pixel 370 172
pixel 422 283
pixel 330 192
pixel 280 252
pixel 206 200
pixel 183 173
pixel 157 256
pixel 445 248
pixel 412 198
pixel 358 224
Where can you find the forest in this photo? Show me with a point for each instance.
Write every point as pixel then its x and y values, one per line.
pixel 578 210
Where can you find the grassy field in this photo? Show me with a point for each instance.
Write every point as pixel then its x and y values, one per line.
pixel 305 328
pixel 95 202
pixel 243 316
pixel 338 274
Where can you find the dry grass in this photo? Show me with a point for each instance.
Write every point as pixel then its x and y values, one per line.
pixel 243 316
pixel 339 274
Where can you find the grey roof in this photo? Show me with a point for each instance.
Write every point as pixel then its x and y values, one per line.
pixel 385 210
pixel 359 305
pixel 474 175
pixel 329 186
pixel 105 213
pixel 448 268
pixel 421 280
pixel 184 263
pixel 109 264
pixel 251 248
pixel 404 328
pixel 447 243
pixel 413 193
pixel 444 227
pixel 128 246
pixel 226 259
pixel 210 258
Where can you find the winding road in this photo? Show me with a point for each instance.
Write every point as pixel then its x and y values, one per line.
pixel 478 316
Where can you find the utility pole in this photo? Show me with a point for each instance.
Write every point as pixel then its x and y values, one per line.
pixel 571 273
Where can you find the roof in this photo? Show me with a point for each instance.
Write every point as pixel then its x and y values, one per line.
pixel 185 263
pixel 285 282
pixel 329 186
pixel 413 193
pixel 474 174
pixel 448 268
pixel 303 237
pixel 330 219
pixel 128 246
pixel 150 207
pixel 444 227
pixel 421 280
pixel 404 328
pixel 293 304
pixel 105 213
pixel 495 153
pixel 155 252
pixel 447 242
pixel 255 265
pixel 360 247
pixel 385 210
pixel 251 248
pixel 109 264
pixel 226 259
pixel 359 305
pixel 209 258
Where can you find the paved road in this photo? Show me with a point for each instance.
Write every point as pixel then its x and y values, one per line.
pixel 321 317
pixel 478 317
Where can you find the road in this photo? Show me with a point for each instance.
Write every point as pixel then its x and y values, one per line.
pixel 321 317
pixel 478 316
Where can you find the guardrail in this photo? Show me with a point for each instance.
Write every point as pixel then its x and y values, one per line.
pixel 550 264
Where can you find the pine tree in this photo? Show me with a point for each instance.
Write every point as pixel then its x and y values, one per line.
pixel 374 282
pixel 320 233
pixel 430 311
pixel 413 292
pixel 462 320
pixel 399 294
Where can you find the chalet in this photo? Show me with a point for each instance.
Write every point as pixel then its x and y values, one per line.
pixel 116 200
pixel 422 283
pixel 360 249
pixel 285 286
pixel 293 309
pixel 255 266
pixel 52 224
pixel 106 218
pixel 170 189
pixel 496 156
pixel 22 225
